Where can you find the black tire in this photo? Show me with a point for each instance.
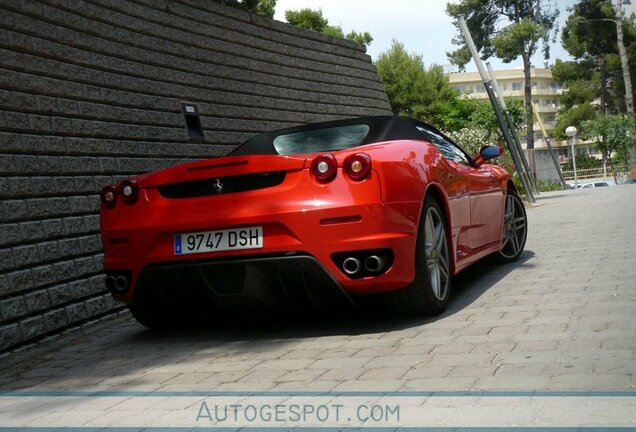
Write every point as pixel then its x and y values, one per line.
pixel 515 229
pixel 429 292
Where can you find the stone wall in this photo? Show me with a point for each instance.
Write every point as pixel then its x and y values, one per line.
pixel 92 91
pixel 544 165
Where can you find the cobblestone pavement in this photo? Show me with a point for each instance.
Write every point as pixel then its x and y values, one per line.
pixel 562 318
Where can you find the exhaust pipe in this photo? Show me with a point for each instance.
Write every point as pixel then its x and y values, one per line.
pixel 351 266
pixel 374 263
pixel 110 283
pixel 121 283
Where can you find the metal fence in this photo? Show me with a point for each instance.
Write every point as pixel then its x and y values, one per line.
pixel 601 172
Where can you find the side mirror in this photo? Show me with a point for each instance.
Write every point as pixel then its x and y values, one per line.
pixel 486 153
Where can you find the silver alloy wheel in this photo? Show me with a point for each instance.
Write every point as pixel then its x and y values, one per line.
pixel 514 230
pixel 436 251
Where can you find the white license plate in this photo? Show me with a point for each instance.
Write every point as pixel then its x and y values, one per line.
pixel 217 241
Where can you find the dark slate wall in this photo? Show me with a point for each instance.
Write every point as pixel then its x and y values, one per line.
pixel 91 92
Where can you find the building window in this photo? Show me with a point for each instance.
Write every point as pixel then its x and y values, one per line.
pixel 517 85
pixel 479 88
pixel 460 88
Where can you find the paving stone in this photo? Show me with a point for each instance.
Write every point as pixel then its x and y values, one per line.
pixel 523 369
pixel 493 347
pixel 262 376
pixel 288 364
pixel 223 377
pixel 342 374
pixel 421 349
pixel 187 379
pixel 570 368
pixel 384 373
pixel 463 359
pixel 302 354
pixel 396 360
pixel 388 385
pixel 428 371
pixel 590 382
pixel 440 384
pixel 453 348
pixel 474 371
pixel 313 385
pixel 340 362
pixel 526 346
pixel 302 375
pixel 340 352
pixel 512 382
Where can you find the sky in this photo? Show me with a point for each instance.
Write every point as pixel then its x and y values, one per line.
pixel 421 25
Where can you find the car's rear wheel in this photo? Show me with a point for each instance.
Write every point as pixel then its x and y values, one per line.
pixel 430 291
pixel 515 229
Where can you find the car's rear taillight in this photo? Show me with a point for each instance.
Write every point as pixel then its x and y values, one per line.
pixel 129 191
pixel 357 166
pixel 324 167
pixel 108 196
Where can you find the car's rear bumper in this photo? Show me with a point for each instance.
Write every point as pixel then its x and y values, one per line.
pixel 295 280
pixel 345 218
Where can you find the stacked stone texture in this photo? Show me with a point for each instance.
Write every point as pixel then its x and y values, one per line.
pixel 91 92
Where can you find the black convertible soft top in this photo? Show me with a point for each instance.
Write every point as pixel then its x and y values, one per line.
pixel 382 128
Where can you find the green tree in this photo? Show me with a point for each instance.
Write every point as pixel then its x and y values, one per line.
pixel 589 35
pixel 307 18
pixel 314 20
pixel 611 135
pixel 363 38
pixel 264 8
pixel 477 114
pixel 574 116
pixel 413 89
pixel 581 89
pixel 508 29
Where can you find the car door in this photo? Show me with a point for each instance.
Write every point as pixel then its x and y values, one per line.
pixel 484 195
pixel 453 178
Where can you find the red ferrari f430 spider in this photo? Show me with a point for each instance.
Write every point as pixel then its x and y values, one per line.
pixel 310 215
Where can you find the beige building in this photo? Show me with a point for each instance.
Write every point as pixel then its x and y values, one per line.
pixel 545 91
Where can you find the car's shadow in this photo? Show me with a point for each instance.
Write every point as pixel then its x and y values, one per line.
pixel 370 318
pixel 124 347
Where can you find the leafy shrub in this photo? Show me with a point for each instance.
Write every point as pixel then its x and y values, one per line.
pixel 583 161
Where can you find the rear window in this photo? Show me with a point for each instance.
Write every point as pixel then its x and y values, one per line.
pixel 325 139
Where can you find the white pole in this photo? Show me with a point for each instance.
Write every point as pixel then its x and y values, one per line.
pixel 571 131
pixel 574 161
